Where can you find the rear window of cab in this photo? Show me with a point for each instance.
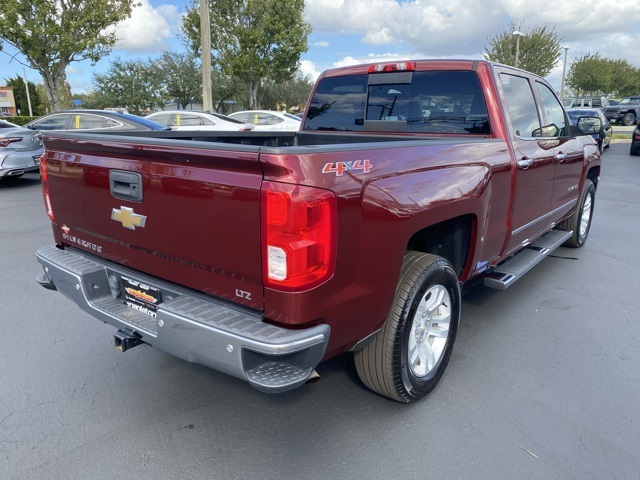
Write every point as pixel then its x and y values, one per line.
pixel 421 102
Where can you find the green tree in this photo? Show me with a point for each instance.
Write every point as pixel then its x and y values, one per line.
pixel 625 78
pixel 20 95
pixel 592 74
pixel 292 93
pixel 539 48
pixel 224 89
pixel 52 34
pixel 134 84
pixel 92 99
pixel 181 76
pixel 43 98
pixel 252 40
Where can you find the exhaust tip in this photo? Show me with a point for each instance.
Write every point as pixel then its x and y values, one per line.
pixel 312 378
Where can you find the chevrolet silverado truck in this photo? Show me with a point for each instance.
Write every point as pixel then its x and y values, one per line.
pixel 262 254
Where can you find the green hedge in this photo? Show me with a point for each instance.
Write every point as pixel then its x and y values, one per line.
pixel 19 120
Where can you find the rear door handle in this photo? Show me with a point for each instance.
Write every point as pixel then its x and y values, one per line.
pixel 525 163
pixel 561 156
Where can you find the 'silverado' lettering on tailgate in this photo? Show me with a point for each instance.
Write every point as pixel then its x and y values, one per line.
pixel 83 243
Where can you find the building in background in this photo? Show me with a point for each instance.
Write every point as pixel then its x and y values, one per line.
pixel 7 102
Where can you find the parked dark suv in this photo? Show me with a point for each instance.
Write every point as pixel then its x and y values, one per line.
pixel 626 112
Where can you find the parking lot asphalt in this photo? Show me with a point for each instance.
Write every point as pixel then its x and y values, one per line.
pixel 544 382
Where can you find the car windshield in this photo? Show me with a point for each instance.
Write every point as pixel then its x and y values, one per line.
pixel 625 100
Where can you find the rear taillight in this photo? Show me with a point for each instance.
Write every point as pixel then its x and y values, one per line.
pixel 5 141
pixel 299 235
pixel 46 195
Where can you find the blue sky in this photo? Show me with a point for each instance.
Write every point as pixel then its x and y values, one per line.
pixel 356 31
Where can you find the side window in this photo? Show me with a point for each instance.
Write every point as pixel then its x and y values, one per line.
pixel 112 123
pixel 243 117
pixel 521 104
pixel 54 122
pixel 553 111
pixel 162 119
pixel 268 119
pixel 187 120
pixel 81 121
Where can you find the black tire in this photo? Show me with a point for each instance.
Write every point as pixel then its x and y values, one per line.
pixel 628 119
pixel 575 222
pixel 384 364
pixel 634 150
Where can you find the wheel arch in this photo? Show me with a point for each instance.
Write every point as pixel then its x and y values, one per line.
pixel 451 239
pixel 593 174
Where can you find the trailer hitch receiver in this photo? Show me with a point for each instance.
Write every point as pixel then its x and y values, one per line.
pixel 126 339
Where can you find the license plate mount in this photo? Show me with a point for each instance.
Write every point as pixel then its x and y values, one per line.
pixel 141 296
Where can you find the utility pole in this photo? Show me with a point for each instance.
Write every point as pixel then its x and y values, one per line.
pixel 26 85
pixel 205 35
pixel 564 71
pixel 517 34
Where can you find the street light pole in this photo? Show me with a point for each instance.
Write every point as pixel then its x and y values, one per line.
pixel 517 34
pixel 205 37
pixel 564 71
pixel 26 85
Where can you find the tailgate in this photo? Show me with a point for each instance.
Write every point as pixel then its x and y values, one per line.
pixel 186 212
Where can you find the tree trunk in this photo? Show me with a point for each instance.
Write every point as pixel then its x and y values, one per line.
pixel 51 87
pixel 253 94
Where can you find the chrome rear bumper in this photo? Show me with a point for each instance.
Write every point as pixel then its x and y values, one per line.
pixel 191 326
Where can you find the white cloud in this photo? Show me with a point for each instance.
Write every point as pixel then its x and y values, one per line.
pixel 309 70
pixel 439 28
pixel 148 28
pixel 321 44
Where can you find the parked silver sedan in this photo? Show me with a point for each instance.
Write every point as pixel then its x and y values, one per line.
pixel 20 150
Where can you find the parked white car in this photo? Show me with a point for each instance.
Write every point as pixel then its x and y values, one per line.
pixel 190 120
pixel 269 120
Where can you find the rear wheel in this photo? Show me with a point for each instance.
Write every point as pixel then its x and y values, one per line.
pixel 580 221
pixel 408 357
pixel 628 119
pixel 635 149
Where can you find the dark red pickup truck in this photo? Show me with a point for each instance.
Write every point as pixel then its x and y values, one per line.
pixel 260 255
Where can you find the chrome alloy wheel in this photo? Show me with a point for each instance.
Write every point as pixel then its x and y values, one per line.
pixel 586 216
pixel 429 330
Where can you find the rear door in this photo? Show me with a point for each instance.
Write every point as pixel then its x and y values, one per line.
pixel 535 162
pixel 182 211
pixel 568 153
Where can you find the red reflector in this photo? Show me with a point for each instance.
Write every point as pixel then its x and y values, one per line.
pixel 44 180
pixel 393 67
pixel 299 235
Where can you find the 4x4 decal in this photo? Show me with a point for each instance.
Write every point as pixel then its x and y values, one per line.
pixel 340 167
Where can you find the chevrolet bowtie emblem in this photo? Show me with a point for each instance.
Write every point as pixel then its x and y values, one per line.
pixel 127 218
